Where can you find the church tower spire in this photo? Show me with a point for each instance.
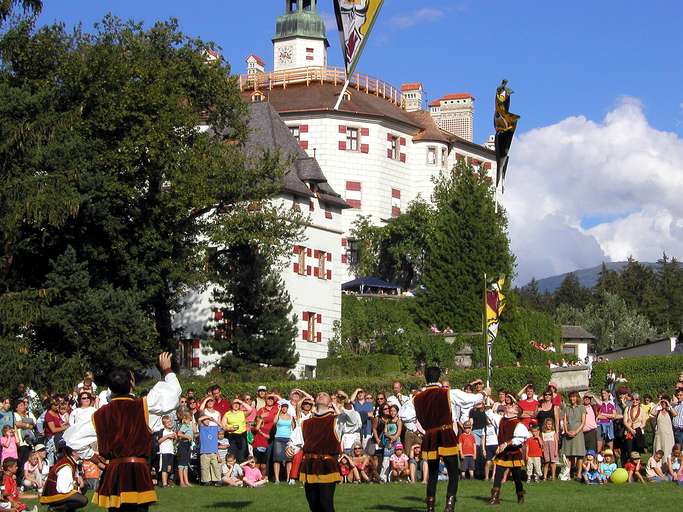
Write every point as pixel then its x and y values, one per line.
pixel 300 37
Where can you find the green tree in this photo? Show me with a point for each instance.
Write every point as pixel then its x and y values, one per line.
pixel 667 310
pixel 608 280
pixel 611 320
pixel 397 251
pixel 263 326
pixel 6 7
pixel 468 240
pixel 530 297
pixel 571 293
pixel 99 150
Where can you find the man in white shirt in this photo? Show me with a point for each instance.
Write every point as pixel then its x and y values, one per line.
pixel 397 398
pixel 61 488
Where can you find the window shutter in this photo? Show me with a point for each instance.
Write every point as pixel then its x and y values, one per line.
pixel 344 242
pixel 353 203
pixel 364 148
pixel 311 207
pixel 319 318
pixel 309 252
pixel 345 258
pixel 402 141
pixel 403 157
pixel 487 166
pixel 342 128
pixel 319 337
pixel 328 215
pixel 329 256
pixel 296 268
pixel 316 253
pixel 329 275
pixel 304 335
pixel 308 270
pixel 342 145
pixel 364 132
pixel 316 272
pixel 390 137
pixel 303 128
pixel 304 316
pixel 303 144
pixel 297 249
pixel 389 153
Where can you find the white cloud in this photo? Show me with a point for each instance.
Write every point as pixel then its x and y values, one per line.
pixel 418 17
pixel 621 169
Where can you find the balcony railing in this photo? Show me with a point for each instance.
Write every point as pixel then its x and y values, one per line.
pixel 320 74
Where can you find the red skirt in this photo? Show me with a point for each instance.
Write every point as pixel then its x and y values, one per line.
pixel 440 442
pixel 124 483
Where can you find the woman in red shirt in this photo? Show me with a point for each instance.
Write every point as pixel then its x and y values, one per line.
pixel 53 421
pixel 529 406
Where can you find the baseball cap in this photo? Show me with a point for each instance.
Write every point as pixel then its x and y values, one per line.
pixel 591 453
pixel 635 455
pixel 261 388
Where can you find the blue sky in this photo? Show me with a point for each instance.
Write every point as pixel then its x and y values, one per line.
pixel 561 58
pixel 596 170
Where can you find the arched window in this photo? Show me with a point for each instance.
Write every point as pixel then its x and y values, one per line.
pixel 257 97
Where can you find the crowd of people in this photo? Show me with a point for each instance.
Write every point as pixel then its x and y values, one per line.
pixel 247 440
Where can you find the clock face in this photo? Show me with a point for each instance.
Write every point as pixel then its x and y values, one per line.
pixel 286 54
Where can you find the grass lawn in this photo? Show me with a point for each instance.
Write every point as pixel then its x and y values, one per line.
pixel 401 497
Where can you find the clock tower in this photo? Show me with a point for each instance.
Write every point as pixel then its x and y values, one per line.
pixel 300 39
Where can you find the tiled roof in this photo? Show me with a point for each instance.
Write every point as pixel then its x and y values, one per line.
pixel 576 332
pixel 267 132
pixel 257 59
pixel 414 86
pixel 454 96
pixel 317 97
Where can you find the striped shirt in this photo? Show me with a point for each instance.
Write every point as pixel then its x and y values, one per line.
pixel 678 419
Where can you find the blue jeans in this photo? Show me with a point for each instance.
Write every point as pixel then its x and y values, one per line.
pixel 678 437
pixel 607 431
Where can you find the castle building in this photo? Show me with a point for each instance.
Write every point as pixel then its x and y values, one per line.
pixel 372 157
pixel 454 113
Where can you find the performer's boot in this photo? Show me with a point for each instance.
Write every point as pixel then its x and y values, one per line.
pixel 495 496
pixel 431 502
pixel 520 497
pixel 450 504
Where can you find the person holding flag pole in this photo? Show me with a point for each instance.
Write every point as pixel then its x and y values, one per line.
pixel 355 19
pixel 494 304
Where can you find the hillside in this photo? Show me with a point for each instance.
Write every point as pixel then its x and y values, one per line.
pixel 588 277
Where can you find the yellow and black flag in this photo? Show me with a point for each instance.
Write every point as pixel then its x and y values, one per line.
pixel 355 19
pixel 505 124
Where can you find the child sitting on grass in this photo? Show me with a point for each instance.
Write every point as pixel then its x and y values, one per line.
pixel 252 474
pixel 607 466
pixel 232 472
pixel 653 471
pixel 633 467
pixel 11 491
pixel 591 473
pixel 400 469
pixel 345 468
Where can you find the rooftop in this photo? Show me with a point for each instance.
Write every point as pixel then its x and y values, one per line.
pixel 576 332
pixel 413 86
pixel 454 96
pixel 257 59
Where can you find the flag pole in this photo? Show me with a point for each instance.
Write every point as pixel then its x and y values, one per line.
pixel 486 341
pixel 341 94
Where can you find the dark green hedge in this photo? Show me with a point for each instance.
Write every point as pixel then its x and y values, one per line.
pixel 646 375
pixel 510 378
pixel 374 365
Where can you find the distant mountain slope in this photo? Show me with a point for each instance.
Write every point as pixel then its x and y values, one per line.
pixel 588 277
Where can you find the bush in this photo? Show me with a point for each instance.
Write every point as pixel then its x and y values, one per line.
pixel 645 375
pixel 358 366
pixel 511 378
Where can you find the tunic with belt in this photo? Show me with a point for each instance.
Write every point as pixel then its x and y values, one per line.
pixel 124 438
pixel 319 437
pixel 437 410
pixel 52 493
pixel 513 432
